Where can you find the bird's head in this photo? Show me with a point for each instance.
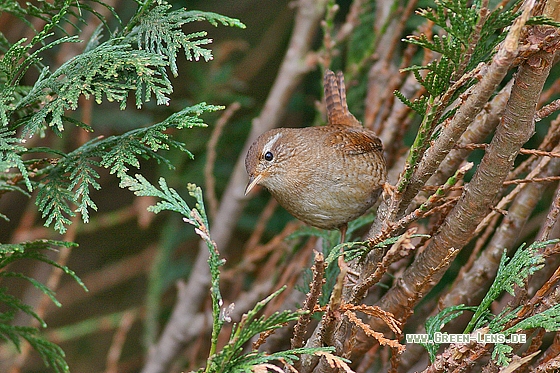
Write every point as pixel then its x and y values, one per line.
pixel 266 159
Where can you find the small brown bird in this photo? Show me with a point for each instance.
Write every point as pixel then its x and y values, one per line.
pixel 324 176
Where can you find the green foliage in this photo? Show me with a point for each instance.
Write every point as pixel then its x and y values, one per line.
pixel 107 70
pixel 110 70
pixel 21 55
pixel 469 39
pixel 549 320
pixel 159 32
pixel 434 324
pixel 463 37
pixel 511 272
pixel 51 354
pixel 542 20
pixel 70 178
pixel 134 61
pixel 419 105
pixel 353 250
pixel 53 12
pixel 231 357
pixel 10 157
pixel 500 354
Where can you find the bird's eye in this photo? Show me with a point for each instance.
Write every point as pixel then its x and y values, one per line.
pixel 268 156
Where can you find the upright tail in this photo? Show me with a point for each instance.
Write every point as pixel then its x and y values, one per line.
pixel 335 97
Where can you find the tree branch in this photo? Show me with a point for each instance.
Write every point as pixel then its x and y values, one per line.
pixel 515 129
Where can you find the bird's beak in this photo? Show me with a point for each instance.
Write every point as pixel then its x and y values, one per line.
pixel 253 180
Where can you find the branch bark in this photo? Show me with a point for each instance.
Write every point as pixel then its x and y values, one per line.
pixel 514 130
pixel 516 127
pixel 471 287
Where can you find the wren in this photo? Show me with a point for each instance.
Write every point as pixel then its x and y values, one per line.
pixel 325 176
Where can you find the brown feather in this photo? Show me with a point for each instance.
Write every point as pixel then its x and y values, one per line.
pixel 325 176
pixel 335 98
pixel 357 141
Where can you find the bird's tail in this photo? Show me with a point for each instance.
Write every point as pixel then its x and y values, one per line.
pixel 335 97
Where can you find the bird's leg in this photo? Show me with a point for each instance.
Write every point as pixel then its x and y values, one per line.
pixel 342 229
pixel 343 232
pixel 341 263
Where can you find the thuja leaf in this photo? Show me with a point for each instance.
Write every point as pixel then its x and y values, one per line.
pixel 511 272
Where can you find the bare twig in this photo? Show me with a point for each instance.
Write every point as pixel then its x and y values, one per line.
pixel 260 228
pixel 310 301
pixel 210 190
pixel 471 286
pixel 532 180
pixel 399 250
pixel 484 123
pixel 535 152
pixel 351 21
pixel 505 201
pixel 427 208
pixel 452 131
pixel 547 110
pixel 514 131
pixel 551 217
pixel 117 344
pixel 329 43
pixel 378 336
pixel 379 91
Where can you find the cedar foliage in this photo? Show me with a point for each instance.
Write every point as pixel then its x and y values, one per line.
pixel 454 88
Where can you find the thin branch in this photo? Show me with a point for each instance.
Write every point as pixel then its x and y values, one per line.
pixel 548 179
pixel 351 22
pixel 380 74
pixel 514 130
pixel 547 110
pixel 536 152
pixel 473 283
pixel 452 131
pixel 210 190
pixel 119 338
pixel 399 250
pixel 310 302
pixel 505 201
pixel 260 229
pixel 551 217
pixel 427 208
pixel 484 123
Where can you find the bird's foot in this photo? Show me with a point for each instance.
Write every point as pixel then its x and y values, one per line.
pixel 352 275
pixel 389 189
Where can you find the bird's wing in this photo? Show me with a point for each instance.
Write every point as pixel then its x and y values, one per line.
pixel 354 141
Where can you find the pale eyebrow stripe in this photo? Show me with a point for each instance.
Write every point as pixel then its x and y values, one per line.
pixel 271 143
